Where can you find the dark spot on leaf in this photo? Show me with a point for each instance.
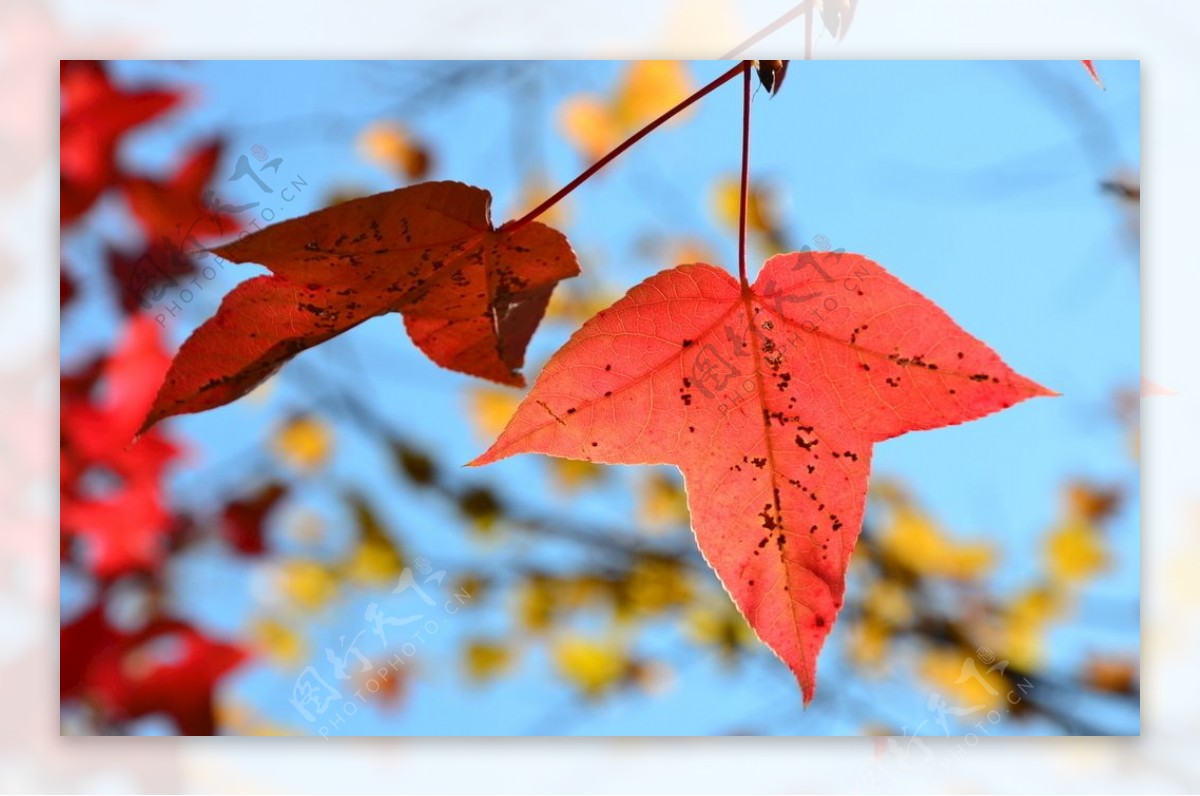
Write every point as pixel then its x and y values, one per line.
pixel 768 521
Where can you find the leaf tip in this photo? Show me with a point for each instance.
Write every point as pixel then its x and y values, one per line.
pixel 1028 388
pixel 1036 390
pixel 1091 68
pixel 223 252
pixel 515 379
pixel 152 418
pixel 501 448
pixel 487 457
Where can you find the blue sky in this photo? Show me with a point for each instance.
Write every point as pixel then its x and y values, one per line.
pixel 974 182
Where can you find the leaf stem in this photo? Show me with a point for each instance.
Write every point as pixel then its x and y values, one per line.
pixel 510 226
pixel 745 185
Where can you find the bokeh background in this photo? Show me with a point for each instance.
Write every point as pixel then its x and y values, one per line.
pixel 313 560
pixel 36 33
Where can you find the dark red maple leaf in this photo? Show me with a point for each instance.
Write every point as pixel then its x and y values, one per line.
pixel 771 74
pixel 770 400
pixel 66 287
pixel 242 520
pixel 80 640
pixel 140 280
pixel 471 293
pixel 492 345
pixel 168 667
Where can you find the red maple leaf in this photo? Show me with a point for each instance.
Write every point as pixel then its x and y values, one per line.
pixel 95 114
pixel 470 293
pixel 770 401
pixel 121 531
pixel 175 210
pixel 102 410
pixel 110 490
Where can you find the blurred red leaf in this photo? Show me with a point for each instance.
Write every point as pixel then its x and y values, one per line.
pixel 243 519
pixel 138 280
pixel 174 210
pixel 76 385
pixel 122 531
pixel 110 490
pixel 66 287
pixel 80 641
pixel 167 667
pixel 769 400
pixel 95 114
pixel 471 293
pixel 100 423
